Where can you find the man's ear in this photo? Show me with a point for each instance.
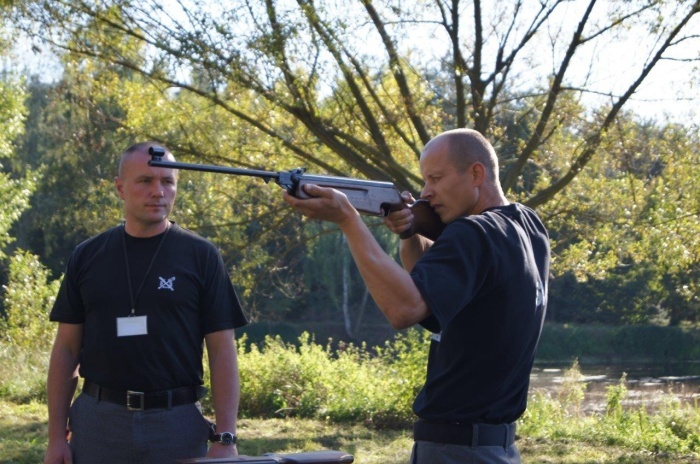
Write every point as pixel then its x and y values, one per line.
pixel 119 185
pixel 478 171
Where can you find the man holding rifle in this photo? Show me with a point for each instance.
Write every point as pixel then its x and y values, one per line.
pixel 480 287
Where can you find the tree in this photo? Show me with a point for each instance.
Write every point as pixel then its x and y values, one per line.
pixel 309 63
pixel 348 89
pixel 14 192
pixel 627 229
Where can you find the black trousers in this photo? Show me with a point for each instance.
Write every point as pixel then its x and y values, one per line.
pixel 107 433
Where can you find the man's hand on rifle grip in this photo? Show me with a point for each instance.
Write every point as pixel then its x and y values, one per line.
pixel 401 221
pixel 417 217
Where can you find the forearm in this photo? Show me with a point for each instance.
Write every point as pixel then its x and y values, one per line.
pixel 62 378
pixel 225 387
pixel 389 284
pixel 226 392
pixel 411 250
pixel 225 384
pixel 60 388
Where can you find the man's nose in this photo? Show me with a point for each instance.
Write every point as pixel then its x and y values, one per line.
pixel 158 189
pixel 426 193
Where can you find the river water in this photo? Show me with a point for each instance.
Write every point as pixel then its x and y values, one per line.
pixel 647 384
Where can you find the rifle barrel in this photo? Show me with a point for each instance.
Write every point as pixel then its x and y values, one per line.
pixel 267 175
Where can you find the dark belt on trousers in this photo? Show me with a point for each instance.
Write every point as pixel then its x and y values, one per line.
pixel 465 434
pixel 137 401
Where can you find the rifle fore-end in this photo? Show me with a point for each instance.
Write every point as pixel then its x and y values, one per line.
pixel 378 199
pixel 369 197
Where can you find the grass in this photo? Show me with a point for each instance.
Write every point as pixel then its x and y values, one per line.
pixel 23 440
pixel 294 399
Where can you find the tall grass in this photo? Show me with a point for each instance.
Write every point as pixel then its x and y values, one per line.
pixel 23 374
pixel 673 427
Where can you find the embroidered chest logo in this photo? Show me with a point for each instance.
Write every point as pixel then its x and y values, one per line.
pixel 167 284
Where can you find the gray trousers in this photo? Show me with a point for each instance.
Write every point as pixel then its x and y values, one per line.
pixel 107 433
pixel 425 452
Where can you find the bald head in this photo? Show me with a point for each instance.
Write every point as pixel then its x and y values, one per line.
pixel 142 147
pixel 466 147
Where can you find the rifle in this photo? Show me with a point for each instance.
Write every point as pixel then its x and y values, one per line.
pixel 315 457
pixel 375 198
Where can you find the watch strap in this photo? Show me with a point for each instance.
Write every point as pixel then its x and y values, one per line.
pixel 225 438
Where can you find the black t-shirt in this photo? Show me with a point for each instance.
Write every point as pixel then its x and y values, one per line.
pixel 485 282
pixel 186 294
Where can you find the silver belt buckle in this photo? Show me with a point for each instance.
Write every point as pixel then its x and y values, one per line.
pixel 134 394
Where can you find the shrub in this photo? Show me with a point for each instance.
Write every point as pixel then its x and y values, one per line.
pixel 26 333
pixel 672 429
pixel 27 301
pixel 349 384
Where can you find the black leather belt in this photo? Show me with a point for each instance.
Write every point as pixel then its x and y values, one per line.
pixel 138 401
pixel 465 434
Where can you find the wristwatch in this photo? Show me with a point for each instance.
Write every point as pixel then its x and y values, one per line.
pixel 225 438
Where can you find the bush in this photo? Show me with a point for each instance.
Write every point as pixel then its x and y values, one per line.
pixel 26 333
pixel 349 384
pixel 28 299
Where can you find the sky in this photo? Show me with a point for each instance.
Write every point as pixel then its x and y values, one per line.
pixel 669 94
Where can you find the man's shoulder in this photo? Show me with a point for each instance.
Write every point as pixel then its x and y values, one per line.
pixel 497 218
pixel 95 246
pixel 186 235
pixel 513 211
pixel 98 240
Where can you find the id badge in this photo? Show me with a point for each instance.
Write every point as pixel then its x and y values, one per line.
pixel 130 326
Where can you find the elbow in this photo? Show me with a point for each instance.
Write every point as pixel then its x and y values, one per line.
pixel 404 316
pixel 400 324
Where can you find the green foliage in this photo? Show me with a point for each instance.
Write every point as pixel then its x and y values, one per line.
pixel 23 376
pixel 25 331
pixel 14 192
pixel 77 150
pixel 285 86
pixel 573 390
pixel 632 343
pixel 14 199
pixel 625 234
pixel 29 296
pixel 616 394
pixel 346 385
pixel 12 115
pixel 674 428
pixel 334 287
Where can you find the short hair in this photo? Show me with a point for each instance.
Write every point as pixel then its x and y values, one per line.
pixel 141 147
pixel 467 146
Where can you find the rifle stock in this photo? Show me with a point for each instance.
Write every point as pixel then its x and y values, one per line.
pixel 375 198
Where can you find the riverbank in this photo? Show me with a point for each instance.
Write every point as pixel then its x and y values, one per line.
pixel 560 343
pixel 647 385
pixel 609 345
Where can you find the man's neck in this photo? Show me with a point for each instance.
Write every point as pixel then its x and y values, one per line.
pixel 491 199
pixel 145 231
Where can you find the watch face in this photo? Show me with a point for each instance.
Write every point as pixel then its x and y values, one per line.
pixel 227 438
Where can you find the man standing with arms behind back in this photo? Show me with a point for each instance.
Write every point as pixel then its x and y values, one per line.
pixel 136 306
pixel 480 287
